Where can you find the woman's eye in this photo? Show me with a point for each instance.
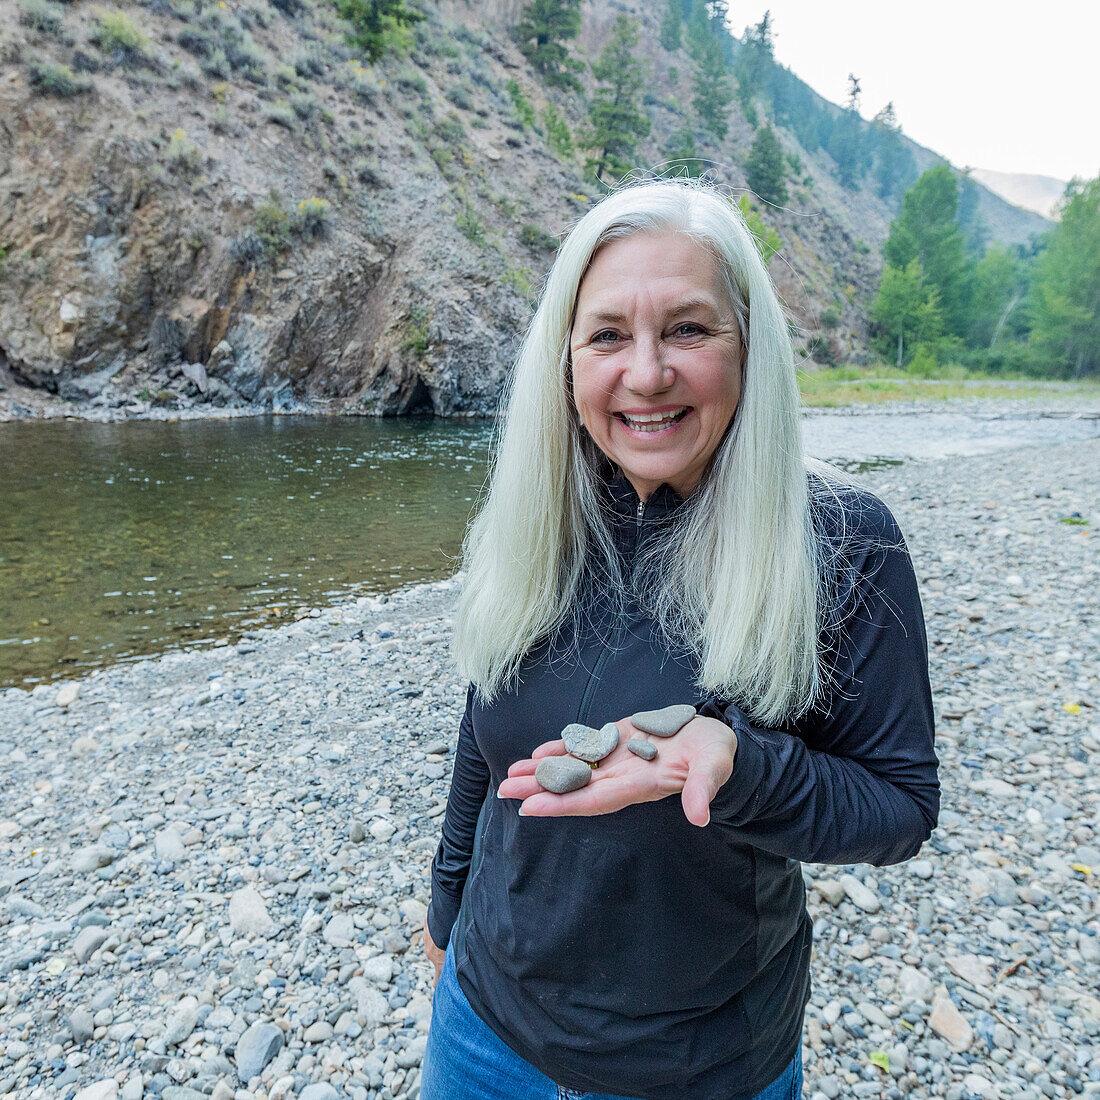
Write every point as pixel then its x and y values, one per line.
pixel 688 329
pixel 605 337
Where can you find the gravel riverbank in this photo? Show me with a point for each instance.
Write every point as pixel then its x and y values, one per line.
pixel 214 864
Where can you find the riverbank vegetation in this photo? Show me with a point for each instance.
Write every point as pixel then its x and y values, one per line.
pixel 877 385
pixel 1022 310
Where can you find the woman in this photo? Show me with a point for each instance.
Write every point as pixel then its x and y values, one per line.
pixel 653 535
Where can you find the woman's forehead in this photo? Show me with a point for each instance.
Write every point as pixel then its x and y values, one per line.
pixel 670 269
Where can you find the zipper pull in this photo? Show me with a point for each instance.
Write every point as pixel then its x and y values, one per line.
pixel 641 511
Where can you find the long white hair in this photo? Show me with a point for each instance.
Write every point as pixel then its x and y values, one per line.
pixel 737 579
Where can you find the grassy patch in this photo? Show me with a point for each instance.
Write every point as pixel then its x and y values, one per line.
pixel 41 15
pixel 115 33
pixel 59 80
pixel 881 385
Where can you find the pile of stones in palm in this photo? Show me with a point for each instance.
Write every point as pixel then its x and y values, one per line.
pixel 587 746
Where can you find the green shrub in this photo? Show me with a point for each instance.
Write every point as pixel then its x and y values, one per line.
pixel 56 80
pixel 289 8
pixel 280 113
pixel 461 96
pixel 557 131
pixel 379 26
pixel 40 15
pixel 304 104
pixel 182 153
pixel 417 335
pixel 366 172
pixel 538 240
pixel 309 63
pixel 450 130
pixel 471 226
pixel 313 217
pixel 409 79
pixel 524 111
pixel 830 317
pixel 520 280
pixel 115 33
pixel 271 225
pixel 285 77
pixel 217 64
pixel 197 41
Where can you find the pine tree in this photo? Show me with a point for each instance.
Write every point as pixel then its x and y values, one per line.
pixel 617 119
pixel 671 25
pixel 1066 296
pixel 846 145
pixel 543 33
pixel 713 89
pixel 926 231
pixel 755 63
pixel 895 168
pixel 376 23
pixel 766 167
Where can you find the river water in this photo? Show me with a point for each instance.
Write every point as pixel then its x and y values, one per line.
pixel 120 540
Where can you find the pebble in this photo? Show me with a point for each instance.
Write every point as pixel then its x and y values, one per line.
pixel 664 722
pixel 255 1048
pixel 248 915
pixel 260 766
pixel 562 774
pixel 106 1089
pixel 859 894
pixel 88 941
pixel 586 743
pixel 639 746
pixel 949 1023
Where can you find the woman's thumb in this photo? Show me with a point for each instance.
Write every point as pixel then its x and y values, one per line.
pixel 705 776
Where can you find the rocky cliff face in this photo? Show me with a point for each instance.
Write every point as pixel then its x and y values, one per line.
pixel 237 211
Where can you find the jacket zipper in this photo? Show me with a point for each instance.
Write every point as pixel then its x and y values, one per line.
pixel 594 678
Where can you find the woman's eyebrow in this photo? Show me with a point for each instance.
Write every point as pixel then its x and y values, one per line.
pixel 613 317
pixel 690 305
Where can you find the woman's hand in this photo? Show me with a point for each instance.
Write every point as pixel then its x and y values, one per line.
pixel 693 763
pixel 435 954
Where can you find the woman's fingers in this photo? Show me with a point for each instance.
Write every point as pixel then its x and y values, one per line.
pixel 549 748
pixel 519 786
pixel 601 796
pixel 527 767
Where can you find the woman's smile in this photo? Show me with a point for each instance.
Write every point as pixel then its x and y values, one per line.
pixel 653 422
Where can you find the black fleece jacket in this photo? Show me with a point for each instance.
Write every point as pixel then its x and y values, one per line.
pixel 634 953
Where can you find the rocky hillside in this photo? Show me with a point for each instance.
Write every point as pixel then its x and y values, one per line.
pixel 224 204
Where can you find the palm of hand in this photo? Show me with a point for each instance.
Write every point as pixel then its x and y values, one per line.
pixel 694 762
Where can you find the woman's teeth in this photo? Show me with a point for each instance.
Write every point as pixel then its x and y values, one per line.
pixel 652 422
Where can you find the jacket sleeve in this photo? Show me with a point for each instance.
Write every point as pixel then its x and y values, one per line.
pixel 856 781
pixel 451 865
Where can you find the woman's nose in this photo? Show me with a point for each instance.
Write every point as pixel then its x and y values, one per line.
pixel 648 372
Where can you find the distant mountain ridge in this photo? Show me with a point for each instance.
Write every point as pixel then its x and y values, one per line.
pixel 1040 194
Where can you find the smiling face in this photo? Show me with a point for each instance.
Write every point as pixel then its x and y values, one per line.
pixel 656 358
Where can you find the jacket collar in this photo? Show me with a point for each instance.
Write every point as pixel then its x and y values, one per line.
pixel 624 498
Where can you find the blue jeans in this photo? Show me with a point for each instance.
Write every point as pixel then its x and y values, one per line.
pixel 466 1060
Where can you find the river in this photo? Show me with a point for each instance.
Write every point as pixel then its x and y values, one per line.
pixel 121 540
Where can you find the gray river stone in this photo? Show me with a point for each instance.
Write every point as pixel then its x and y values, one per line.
pixel 641 747
pixel 562 774
pixel 255 1048
pixel 590 744
pixel 664 722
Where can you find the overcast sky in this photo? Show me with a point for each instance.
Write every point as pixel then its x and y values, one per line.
pixel 1009 86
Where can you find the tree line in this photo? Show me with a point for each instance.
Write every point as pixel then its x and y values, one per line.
pixel 1031 309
